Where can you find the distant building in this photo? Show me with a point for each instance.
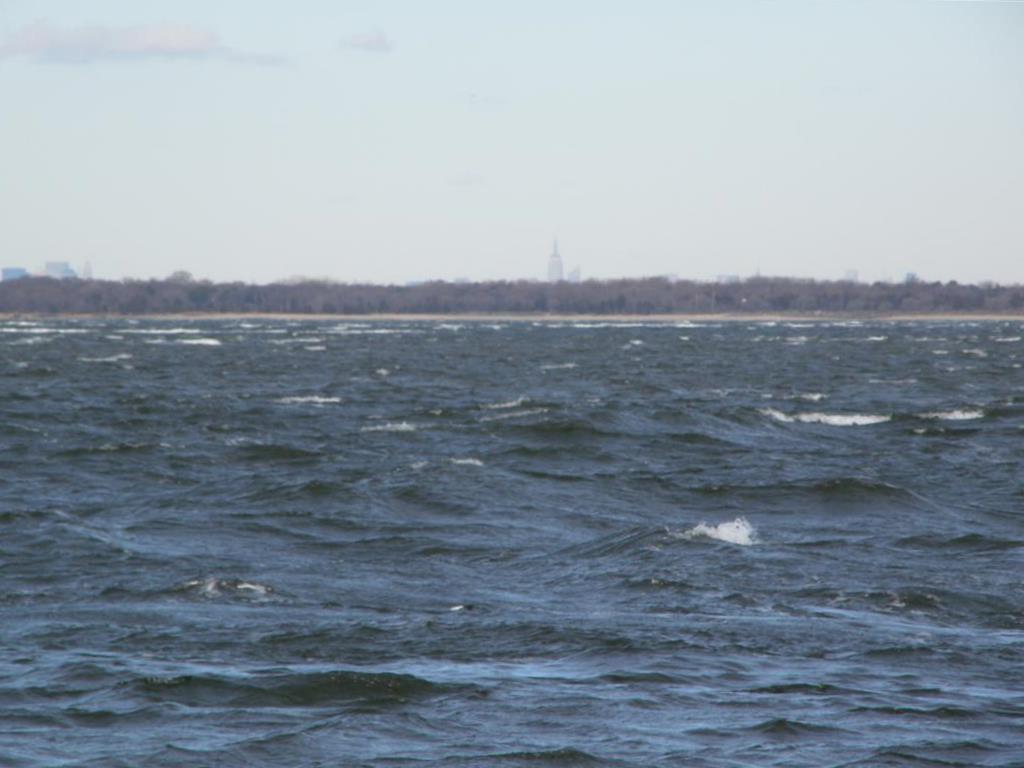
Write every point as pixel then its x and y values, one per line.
pixel 555 270
pixel 911 278
pixel 87 271
pixel 852 276
pixel 13 273
pixel 59 269
pixel 575 275
pixel 727 279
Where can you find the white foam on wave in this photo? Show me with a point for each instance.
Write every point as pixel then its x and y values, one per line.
pixel 30 340
pixel 468 462
pixel 831 419
pixel 309 399
pixel 737 531
pixel 508 404
pixel 398 426
pixel 965 414
pixel 813 397
pixel 557 366
pixel 161 331
pixel 110 359
pixel 201 342
pixel 214 587
pixel 316 348
pixel 369 331
pixel 975 352
pixel 876 338
pixel 893 382
pixel 1006 339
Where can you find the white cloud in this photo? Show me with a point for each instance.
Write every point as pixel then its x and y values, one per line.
pixel 43 41
pixel 374 41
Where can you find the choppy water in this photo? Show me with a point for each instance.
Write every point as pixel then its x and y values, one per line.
pixel 322 543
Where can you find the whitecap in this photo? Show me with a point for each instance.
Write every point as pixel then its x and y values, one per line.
pixel 893 382
pixel 161 331
pixel 514 414
pixel 831 419
pixel 1006 339
pixel 201 342
pixel 876 338
pixel 813 397
pixel 310 399
pixel 214 587
pixel 400 426
pixel 737 531
pixel 508 404
pixel 557 366
pixel 315 349
pixel 958 414
pixel 110 359
pixel 468 462
pixel 975 352
pixel 382 372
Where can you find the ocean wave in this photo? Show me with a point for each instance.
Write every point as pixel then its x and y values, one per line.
pixel 831 419
pixel 308 399
pixel 812 397
pixel 468 462
pixel 288 690
pixel 507 404
pixel 557 366
pixel 954 415
pixel 211 587
pixel 398 426
pixel 737 531
pixel 110 359
pixel 514 414
pixel 201 342
pixel 160 331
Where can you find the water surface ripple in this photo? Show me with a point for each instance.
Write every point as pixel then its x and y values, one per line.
pixel 268 542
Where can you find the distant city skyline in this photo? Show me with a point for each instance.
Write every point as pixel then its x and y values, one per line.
pixel 389 142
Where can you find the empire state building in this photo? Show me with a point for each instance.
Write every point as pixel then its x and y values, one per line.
pixel 555 272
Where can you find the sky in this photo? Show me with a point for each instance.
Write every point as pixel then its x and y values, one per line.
pixel 399 140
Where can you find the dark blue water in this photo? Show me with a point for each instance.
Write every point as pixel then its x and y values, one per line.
pixel 248 543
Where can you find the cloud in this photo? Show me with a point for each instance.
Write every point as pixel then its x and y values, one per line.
pixel 369 42
pixel 43 41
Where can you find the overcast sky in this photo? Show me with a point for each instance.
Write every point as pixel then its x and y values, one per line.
pixel 395 140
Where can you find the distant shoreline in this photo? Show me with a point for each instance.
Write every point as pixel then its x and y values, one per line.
pixel 531 317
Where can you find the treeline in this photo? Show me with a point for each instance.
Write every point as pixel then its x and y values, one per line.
pixel 641 296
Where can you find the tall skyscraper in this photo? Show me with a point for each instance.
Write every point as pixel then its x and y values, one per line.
pixel 555 272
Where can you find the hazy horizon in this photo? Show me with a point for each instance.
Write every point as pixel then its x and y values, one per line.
pixel 391 141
